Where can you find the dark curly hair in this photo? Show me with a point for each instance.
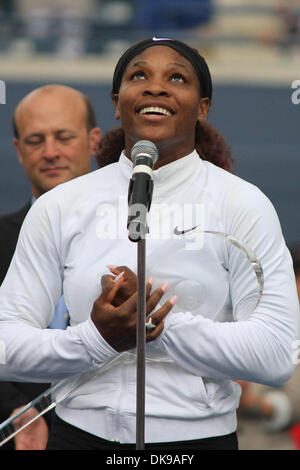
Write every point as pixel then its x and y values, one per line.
pixel 209 143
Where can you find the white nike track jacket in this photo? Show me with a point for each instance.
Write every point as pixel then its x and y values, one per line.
pixel 221 329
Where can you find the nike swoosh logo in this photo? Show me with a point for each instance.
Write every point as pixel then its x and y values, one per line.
pixel 182 232
pixel 223 266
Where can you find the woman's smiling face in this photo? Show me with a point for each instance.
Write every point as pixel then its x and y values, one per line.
pixel 159 100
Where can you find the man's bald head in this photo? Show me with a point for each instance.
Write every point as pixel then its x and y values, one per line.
pixel 55 135
pixel 91 120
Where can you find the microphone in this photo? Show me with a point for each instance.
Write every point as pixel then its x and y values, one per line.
pixel 144 155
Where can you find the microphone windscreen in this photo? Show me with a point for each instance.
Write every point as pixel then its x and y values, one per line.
pixel 144 148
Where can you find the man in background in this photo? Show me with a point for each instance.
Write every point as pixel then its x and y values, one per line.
pixel 55 136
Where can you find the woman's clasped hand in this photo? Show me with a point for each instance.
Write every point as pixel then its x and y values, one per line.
pixel 114 313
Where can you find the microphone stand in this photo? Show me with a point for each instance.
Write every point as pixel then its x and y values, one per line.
pixel 137 230
pixel 141 344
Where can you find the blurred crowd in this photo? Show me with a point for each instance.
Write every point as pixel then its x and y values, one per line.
pixel 72 28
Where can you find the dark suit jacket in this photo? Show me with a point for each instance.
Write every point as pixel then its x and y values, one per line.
pixel 13 394
pixel 10 225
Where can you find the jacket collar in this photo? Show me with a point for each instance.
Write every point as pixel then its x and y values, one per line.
pixel 168 177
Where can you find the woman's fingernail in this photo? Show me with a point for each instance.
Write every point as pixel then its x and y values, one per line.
pixel 173 299
pixel 111 266
pixel 150 280
pixel 165 286
pixel 116 279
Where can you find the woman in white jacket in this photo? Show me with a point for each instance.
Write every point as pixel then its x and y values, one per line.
pixel 207 332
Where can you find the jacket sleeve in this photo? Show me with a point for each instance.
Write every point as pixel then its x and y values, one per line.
pixel 28 350
pixel 257 347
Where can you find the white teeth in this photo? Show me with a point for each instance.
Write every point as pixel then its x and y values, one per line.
pixel 154 109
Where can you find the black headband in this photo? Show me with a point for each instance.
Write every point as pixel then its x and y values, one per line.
pixel 192 55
